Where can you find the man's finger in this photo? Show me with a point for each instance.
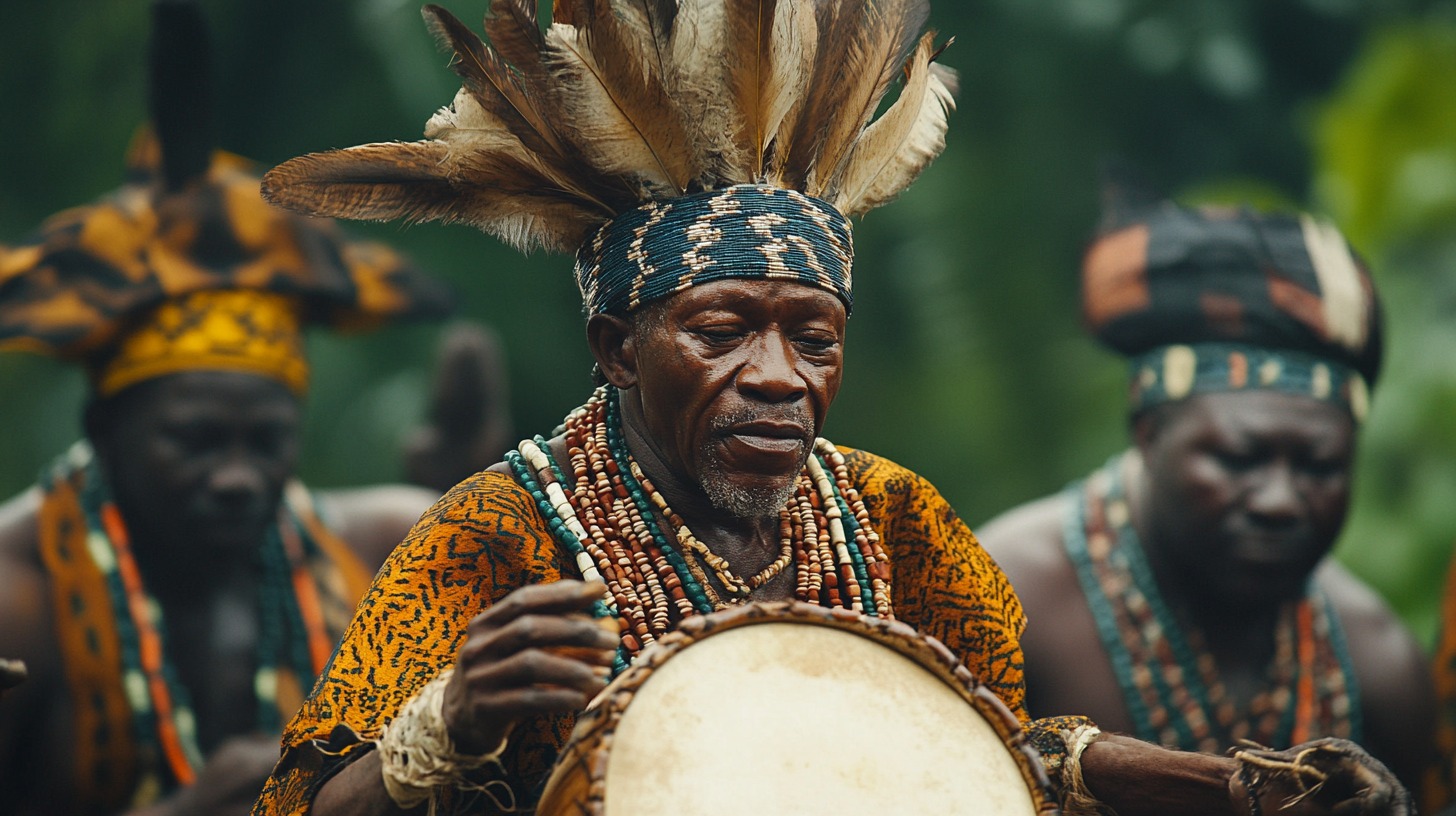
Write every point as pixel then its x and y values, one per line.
pixel 542 631
pixel 535 668
pixel 521 703
pixel 556 598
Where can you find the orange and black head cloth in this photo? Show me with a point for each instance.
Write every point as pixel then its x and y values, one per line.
pixel 108 284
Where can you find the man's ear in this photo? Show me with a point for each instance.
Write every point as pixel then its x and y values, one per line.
pixel 1144 428
pixel 613 343
pixel 96 421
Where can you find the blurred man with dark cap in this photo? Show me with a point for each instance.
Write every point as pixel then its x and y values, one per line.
pixel 1183 593
pixel 171 588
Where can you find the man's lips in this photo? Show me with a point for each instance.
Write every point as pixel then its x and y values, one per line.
pixel 769 437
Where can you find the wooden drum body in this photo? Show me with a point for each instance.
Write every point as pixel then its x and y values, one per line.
pixel 787 708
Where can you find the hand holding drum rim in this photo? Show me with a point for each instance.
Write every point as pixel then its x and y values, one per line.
pixel 1329 775
pixel 537 651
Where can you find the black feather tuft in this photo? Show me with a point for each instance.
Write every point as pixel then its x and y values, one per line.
pixel 180 93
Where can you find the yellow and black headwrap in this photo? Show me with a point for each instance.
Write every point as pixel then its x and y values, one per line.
pixel 185 266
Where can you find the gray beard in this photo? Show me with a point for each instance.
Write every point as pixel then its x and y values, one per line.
pixel 763 501
pixel 747 503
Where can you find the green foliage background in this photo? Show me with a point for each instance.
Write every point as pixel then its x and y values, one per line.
pixel 966 359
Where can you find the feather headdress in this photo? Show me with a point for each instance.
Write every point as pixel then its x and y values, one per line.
pixel 618 103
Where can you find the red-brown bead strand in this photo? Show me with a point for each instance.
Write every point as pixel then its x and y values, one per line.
pixel 802 558
pixel 608 553
pixel 849 586
pixel 809 546
pixel 629 521
pixel 664 581
pixel 617 513
pixel 877 561
pixel 824 552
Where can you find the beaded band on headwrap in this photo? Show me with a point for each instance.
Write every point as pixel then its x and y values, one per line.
pixel 231 329
pixel 745 231
pixel 1173 372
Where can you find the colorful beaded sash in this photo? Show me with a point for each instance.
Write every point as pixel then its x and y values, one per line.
pixel 1169 681
pixel 136 735
pixel 607 516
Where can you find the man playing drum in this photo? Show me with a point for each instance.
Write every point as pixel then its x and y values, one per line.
pixel 703 159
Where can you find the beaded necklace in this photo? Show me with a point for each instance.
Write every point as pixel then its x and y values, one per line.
pixel 1168 677
pixel 292 636
pixel 609 518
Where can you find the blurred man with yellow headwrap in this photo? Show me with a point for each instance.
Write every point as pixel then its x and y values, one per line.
pixel 172 590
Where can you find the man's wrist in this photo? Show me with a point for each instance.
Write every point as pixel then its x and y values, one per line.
pixel 1136 778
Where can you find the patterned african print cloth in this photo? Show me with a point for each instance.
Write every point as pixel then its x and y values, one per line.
pixel 1166 274
pixel 1441 780
pixel 1168 678
pixel 486 538
pixel 120 760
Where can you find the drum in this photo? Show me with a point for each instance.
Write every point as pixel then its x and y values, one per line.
pixel 787 708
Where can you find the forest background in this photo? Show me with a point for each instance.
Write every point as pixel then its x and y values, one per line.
pixel 966 358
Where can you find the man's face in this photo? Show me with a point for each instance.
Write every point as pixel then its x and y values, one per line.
pixel 735 380
pixel 200 457
pixel 1246 491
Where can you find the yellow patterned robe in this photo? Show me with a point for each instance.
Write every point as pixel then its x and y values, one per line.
pixel 486 538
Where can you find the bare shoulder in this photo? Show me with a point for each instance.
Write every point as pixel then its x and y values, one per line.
pixel 18 533
pixel 1361 609
pixel 1397 699
pixel 1027 541
pixel 374 519
pixel 1375 634
pixel 25 607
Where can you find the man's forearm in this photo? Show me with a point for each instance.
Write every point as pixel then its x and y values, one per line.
pixel 1138 779
pixel 357 790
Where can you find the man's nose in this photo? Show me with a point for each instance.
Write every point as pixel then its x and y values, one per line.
pixel 770 374
pixel 1274 496
pixel 237 479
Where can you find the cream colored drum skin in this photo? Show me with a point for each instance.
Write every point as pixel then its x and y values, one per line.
pixel 792 709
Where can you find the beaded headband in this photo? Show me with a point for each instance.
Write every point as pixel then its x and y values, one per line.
pixel 1175 372
pixel 755 232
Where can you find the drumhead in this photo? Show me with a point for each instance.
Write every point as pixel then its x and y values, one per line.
pixel 802 719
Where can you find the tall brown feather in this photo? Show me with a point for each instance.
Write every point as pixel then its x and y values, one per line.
pixel 498 88
pixel 623 120
pixel 653 19
pixel 895 148
pixel 766 58
pixel 875 50
pixel 525 102
pixel 514 31
pixel 697 54
pixel 374 182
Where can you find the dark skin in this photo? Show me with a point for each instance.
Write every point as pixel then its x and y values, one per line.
pixel 747 350
pixel 1237 499
pixel 470 417
pixel 197 461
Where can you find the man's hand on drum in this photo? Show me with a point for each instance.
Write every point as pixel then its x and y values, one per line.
pixel 1327 776
pixel 537 651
